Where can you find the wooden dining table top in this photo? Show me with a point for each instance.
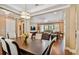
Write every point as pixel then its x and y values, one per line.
pixel 35 46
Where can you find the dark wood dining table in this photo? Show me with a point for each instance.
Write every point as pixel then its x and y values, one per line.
pixel 36 46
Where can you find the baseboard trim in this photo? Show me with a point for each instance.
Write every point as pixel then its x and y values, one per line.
pixel 71 50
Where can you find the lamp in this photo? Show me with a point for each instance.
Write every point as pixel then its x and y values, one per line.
pixel 25 14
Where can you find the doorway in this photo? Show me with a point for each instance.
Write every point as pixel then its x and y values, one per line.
pixel 20 27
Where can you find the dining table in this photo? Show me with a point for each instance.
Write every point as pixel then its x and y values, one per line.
pixel 35 46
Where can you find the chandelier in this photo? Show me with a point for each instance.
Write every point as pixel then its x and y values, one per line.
pixel 25 14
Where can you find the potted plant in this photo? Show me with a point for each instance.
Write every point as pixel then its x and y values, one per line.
pixel 25 37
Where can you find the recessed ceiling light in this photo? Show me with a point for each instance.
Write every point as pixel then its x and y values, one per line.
pixel 46 20
pixel 55 12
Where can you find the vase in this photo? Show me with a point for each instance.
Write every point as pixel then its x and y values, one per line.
pixel 25 41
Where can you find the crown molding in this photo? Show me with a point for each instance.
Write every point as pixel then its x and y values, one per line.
pixel 9 8
pixel 36 11
pixel 50 9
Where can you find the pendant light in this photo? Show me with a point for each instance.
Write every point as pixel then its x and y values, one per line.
pixel 25 14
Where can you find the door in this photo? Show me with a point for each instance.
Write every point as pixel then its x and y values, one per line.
pixel 20 28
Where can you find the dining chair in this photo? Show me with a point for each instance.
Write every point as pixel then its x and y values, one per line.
pixel 45 36
pixel 10 47
pixel 19 50
pixel 5 47
pixel 38 36
pixel 30 35
pixel 1 52
pixel 33 35
pixel 48 49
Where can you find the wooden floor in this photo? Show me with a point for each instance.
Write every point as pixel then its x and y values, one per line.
pixel 58 48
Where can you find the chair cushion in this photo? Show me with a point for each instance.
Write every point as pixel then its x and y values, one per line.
pixel 13 47
pixel 38 36
pixel 30 35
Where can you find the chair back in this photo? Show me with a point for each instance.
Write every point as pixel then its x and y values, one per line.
pixel 5 47
pixel 13 47
pixel 18 49
pixel 30 35
pixel 38 36
pixel 48 49
pixel 45 36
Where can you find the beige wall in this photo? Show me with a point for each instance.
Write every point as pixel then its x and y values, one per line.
pixel 77 29
pixel 7 25
pixel 2 25
pixel 77 17
pixel 70 27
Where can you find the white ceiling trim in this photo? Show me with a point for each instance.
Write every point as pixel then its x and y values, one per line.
pixel 15 7
pixel 9 8
pixel 47 10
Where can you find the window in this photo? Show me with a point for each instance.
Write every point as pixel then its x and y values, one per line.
pixel 41 28
pixel 49 28
pixel 56 28
pixel 46 27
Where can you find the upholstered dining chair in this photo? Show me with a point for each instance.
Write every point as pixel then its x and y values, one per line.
pixel 38 36
pixel 48 49
pixel 30 35
pixel 10 47
pixel 45 36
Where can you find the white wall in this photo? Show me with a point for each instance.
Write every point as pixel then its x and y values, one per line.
pixel 27 24
pixel 10 28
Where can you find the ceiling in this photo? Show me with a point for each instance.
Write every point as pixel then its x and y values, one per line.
pixel 27 6
pixel 41 12
pixel 33 9
pixel 22 7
